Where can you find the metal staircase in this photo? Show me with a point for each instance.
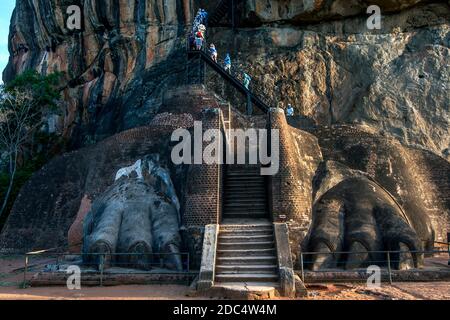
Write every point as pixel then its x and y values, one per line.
pixel 224 9
pixel 235 78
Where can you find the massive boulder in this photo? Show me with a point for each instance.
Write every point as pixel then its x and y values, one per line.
pixel 116 67
pixel 394 80
pixel 318 55
pixel 301 11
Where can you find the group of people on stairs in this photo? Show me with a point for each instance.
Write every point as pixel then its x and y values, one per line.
pixel 197 40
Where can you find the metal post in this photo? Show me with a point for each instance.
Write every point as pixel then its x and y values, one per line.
pixel 232 15
pixel 188 263
pixel 302 268
pixel 389 267
pixel 25 271
pixel 102 264
pixel 448 247
pixel 249 105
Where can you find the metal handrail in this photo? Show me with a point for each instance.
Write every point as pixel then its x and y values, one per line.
pixel 237 74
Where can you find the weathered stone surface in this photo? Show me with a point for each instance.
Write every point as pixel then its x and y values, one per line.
pixel 391 83
pixel 394 80
pixel 285 266
pixel 48 204
pixel 208 264
pixel 138 214
pixel 301 11
pixel 75 234
pixel 116 68
pixel 300 288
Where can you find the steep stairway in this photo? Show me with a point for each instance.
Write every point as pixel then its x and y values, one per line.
pixel 246 254
pixel 222 10
pixel 245 194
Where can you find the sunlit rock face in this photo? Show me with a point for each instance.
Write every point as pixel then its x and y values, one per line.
pixel 395 80
pixel 116 67
pixel 300 11
pixel 318 55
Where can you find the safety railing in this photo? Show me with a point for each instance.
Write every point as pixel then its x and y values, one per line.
pixel 345 266
pixel 255 90
pixel 50 268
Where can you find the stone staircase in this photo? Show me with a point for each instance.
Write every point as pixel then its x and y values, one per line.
pixel 246 254
pixel 245 194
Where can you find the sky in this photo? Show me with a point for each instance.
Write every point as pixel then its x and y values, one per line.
pixel 6 9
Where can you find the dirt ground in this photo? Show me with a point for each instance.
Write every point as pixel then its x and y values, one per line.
pixel 11 276
pixel 398 291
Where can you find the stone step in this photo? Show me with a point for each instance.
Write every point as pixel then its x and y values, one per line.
pixel 241 177
pixel 247 233
pixel 243 212
pixel 245 245
pixel 245 216
pixel 247 277
pixel 233 204
pixel 243 172
pixel 246 252
pixel 257 268
pixel 246 174
pixel 245 207
pixel 240 214
pixel 240 238
pixel 245 200
pixel 245 194
pixel 244 183
pixel 245 187
pixel 248 204
pixel 249 260
pixel 247 227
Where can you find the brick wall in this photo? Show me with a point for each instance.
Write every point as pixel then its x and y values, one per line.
pixel 290 191
pixel 287 198
pixel 203 196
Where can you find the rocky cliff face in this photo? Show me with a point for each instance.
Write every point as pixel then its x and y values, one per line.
pixel 116 67
pixel 394 80
pixel 298 12
pixel 318 55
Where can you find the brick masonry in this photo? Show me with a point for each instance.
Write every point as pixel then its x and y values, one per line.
pixel 290 191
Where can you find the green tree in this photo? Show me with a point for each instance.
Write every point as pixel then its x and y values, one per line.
pixel 24 104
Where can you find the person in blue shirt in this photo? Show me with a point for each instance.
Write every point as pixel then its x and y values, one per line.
pixel 290 110
pixel 204 16
pixel 247 80
pixel 213 52
pixel 227 63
